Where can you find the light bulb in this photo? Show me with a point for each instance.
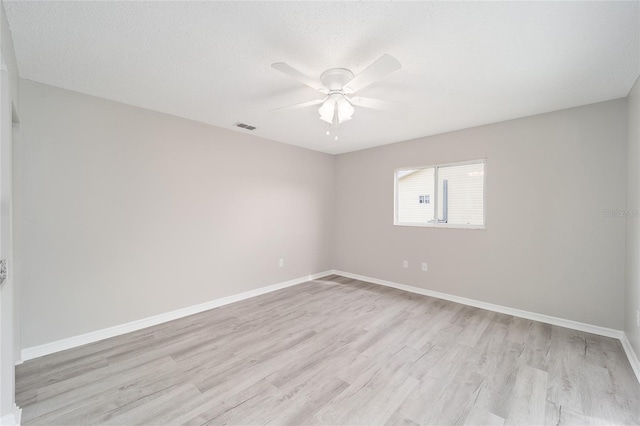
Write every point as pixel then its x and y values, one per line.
pixel 336 138
pixel 328 133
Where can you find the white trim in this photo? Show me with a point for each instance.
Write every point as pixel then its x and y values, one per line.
pixel 548 319
pixel 441 226
pixel 12 419
pixel 454 163
pixel 575 325
pixel 631 354
pixel 105 333
pixel 72 342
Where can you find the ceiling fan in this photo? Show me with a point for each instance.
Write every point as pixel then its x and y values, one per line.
pixel 339 85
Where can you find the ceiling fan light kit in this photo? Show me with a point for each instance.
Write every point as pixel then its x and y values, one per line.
pixel 338 84
pixel 336 109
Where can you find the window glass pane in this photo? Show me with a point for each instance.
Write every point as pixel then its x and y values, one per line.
pixel 461 194
pixel 412 186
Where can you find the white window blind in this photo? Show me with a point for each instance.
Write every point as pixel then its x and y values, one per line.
pixel 455 191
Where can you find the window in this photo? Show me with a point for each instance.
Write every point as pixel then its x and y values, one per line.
pixel 447 195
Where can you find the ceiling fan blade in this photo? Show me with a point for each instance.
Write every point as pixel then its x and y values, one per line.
pixel 376 71
pixel 302 78
pixel 302 105
pixel 373 103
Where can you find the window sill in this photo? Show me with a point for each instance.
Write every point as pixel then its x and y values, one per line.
pixel 442 225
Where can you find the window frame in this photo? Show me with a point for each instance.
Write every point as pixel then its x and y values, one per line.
pixel 436 200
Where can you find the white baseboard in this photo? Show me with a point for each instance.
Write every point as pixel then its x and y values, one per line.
pixel 12 419
pixel 575 325
pixel 94 336
pixel 72 342
pixel 631 354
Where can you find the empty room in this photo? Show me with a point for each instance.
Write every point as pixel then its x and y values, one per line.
pixel 319 213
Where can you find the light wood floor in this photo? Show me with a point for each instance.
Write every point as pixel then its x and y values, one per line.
pixel 336 351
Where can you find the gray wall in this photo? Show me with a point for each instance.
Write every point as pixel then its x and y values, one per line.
pixel 632 295
pixel 548 246
pixel 127 213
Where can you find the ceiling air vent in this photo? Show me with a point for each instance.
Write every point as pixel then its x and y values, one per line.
pixel 245 126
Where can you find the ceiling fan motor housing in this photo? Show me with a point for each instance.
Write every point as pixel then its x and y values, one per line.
pixel 336 78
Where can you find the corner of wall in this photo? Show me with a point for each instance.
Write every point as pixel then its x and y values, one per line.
pixel 9 56
pixel 632 244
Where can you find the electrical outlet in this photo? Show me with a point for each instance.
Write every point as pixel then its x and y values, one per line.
pixel 281 263
pixel 424 266
pixel 638 318
pixel 405 263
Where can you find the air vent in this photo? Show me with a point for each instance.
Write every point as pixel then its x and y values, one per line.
pixel 245 126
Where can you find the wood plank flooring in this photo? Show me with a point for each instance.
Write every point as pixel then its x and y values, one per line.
pixel 336 351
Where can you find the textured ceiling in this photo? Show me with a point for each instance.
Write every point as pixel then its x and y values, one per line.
pixel 463 64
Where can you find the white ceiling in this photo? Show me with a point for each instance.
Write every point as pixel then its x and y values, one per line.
pixel 464 64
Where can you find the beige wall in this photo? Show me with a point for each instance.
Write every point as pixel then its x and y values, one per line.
pixel 548 247
pixel 127 213
pixel 632 295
